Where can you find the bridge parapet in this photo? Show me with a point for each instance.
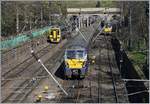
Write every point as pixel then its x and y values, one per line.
pixel 93 10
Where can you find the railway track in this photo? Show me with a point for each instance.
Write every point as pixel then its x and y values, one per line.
pixel 74 89
pixel 111 71
pixel 17 70
pixel 102 84
pixel 27 61
pixel 112 88
pixel 22 90
pixel 74 95
pixel 25 84
pixel 10 57
pixel 106 81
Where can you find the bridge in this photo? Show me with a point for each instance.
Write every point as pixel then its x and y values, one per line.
pixel 84 14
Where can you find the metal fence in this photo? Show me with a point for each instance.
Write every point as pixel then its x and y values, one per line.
pixel 15 41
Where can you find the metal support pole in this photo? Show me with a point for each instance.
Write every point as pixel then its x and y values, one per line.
pixel 17 20
pixel 79 21
pixel 77 29
pixel 87 22
pixel 121 60
pixel 41 17
pixel 130 25
pixel 50 74
pixel 90 90
pixel 30 24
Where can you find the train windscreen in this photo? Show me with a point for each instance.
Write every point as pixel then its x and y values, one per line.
pixel 72 54
pixel 80 54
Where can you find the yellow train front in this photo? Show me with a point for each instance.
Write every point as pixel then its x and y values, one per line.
pixel 75 63
pixel 108 29
pixel 54 35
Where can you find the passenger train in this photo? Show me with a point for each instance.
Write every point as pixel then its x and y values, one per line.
pixel 54 35
pixel 76 62
pixel 108 29
pixel 57 33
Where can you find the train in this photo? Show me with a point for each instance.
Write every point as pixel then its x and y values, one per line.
pixel 54 35
pixel 108 29
pixel 76 62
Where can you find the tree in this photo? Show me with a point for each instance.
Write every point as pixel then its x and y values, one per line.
pixel 138 24
pixel 7 18
pixel 19 16
pixel 98 4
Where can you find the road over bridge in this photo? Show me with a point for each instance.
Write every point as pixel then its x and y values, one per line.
pixel 83 15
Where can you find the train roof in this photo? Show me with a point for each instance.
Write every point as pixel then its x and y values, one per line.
pixel 55 27
pixel 76 47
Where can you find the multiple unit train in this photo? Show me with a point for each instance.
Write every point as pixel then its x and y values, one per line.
pixel 54 35
pixel 108 29
pixel 76 61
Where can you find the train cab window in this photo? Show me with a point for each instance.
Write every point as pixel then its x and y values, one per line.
pixel 80 54
pixel 57 32
pixel 52 32
pixel 71 54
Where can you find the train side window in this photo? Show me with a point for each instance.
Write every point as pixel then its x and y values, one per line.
pixel 51 32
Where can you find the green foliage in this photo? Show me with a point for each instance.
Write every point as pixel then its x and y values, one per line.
pixel 139 60
pixel 81 4
pixel 108 3
pixel 135 33
pixel 137 57
pixel 31 13
pixel 7 18
pixel 90 3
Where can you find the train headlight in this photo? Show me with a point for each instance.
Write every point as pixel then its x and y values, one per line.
pixel 67 65
pixel 52 39
pixel 84 64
